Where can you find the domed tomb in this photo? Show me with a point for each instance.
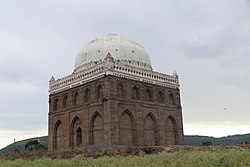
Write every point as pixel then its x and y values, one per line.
pixel 113 97
pixel 121 49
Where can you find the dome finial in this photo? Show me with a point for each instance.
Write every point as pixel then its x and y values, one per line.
pixel 175 74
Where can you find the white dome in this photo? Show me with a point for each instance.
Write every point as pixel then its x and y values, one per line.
pixel 119 47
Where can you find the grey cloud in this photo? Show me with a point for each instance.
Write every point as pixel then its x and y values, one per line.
pixel 42 38
pixel 23 111
pixel 226 47
pixel 239 82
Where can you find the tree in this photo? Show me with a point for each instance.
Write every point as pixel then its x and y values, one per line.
pixel 35 144
pixel 207 143
pixel 31 143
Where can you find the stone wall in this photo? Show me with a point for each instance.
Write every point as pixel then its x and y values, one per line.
pixel 114 110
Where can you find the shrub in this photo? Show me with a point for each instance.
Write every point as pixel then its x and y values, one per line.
pixel 207 143
pixel 218 157
pixel 34 144
pixel 30 143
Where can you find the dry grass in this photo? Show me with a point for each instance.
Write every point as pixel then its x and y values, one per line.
pixel 236 156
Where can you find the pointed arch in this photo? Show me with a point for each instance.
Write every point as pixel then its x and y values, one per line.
pixel 126 128
pixel 75 98
pixel 99 92
pixel 58 136
pixel 171 98
pixel 97 129
pixel 149 96
pixel 65 99
pixel 121 91
pixel 87 94
pixel 161 97
pixel 55 103
pixel 150 130
pixel 78 137
pixel 75 133
pixel 135 93
pixel 171 131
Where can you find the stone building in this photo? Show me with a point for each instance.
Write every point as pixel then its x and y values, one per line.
pixel 112 97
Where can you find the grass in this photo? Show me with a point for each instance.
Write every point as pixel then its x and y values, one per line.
pixel 216 157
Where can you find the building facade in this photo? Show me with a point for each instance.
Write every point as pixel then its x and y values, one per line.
pixel 114 97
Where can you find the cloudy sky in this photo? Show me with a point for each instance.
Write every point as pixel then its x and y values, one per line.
pixel 207 42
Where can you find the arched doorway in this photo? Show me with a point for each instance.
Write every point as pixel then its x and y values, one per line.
pixel 97 129
pixel 171 132
pixel 58 136
pixel 78 137
pixel 76 133
pixel 126 128
pixel 150 130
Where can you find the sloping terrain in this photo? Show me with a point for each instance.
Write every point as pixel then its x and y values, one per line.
pixel 229 140
pixel 19 146
pixel 188 139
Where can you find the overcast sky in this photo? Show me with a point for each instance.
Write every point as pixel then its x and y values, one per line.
pixel 207 42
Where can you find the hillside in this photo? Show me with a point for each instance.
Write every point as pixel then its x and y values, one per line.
pixel 190 140
pixel 20 145
pixel 229 140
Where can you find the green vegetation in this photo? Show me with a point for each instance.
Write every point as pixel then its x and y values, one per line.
pixel 206 143
pixel 34 145
pixel 31 143
pixel 192 140
pixel 209 157
pixel 19 146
